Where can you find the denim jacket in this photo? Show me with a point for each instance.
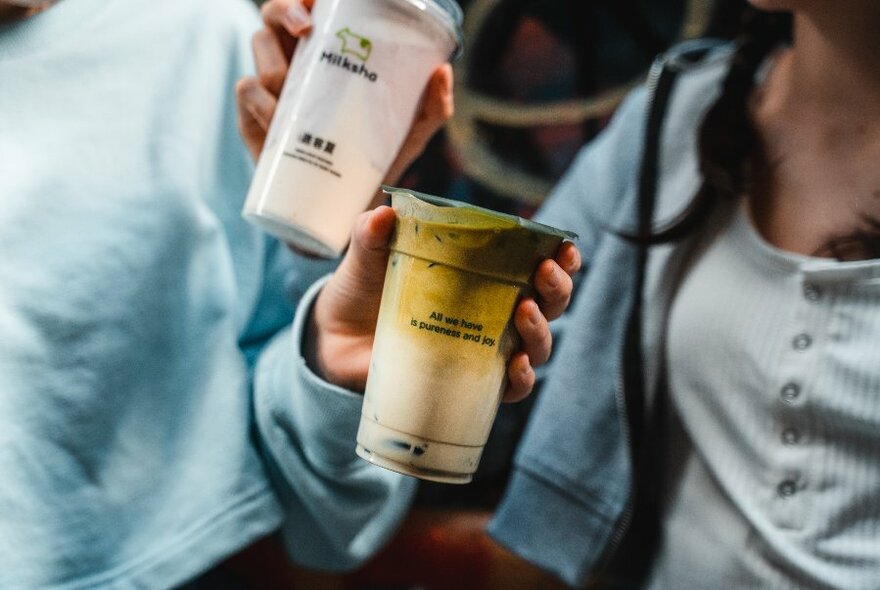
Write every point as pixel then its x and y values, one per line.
pixel 570 501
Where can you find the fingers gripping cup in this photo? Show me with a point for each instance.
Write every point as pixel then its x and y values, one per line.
pixel 444 334
pixel 347 104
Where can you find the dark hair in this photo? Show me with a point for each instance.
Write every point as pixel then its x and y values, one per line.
pixel 729 145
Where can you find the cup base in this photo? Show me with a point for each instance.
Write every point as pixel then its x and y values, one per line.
pixel 413 455
pixel 407 469
pixel 291 234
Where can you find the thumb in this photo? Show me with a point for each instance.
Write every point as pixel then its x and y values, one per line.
pixel 356 287
pixel 371 235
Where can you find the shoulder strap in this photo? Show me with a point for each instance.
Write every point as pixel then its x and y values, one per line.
pixel 640 525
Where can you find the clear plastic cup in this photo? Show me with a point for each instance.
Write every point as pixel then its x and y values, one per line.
pixel 347 104
pixel 445 334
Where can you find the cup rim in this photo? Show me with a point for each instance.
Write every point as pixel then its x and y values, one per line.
pixel 515 219
pixel 449 13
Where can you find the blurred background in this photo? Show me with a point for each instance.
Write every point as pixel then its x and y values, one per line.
pixel 537 81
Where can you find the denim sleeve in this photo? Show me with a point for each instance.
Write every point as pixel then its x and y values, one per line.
pixel 570 480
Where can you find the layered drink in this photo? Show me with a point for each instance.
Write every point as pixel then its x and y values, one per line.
pixel 444 334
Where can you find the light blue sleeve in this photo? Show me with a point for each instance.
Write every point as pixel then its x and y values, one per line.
pixel 339 509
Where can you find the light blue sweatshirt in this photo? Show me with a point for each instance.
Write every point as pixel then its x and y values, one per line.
pixel 155 414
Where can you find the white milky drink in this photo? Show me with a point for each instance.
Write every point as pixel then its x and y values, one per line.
pixel 347 104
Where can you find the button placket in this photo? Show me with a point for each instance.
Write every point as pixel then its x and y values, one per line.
pixel 792 454
pixel 813 295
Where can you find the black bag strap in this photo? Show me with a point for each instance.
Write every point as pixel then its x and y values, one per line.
pixel 634 554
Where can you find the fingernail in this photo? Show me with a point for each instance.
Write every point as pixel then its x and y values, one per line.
pixel 553 275
pixel 534 313
pixel 297 18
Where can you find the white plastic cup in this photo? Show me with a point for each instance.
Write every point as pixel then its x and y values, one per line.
pixel 346 107
pixel 445 334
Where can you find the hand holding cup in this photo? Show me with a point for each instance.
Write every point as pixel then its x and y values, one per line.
pixel 347 96
pixel 285 21
pixel 343 321
pixel 454 322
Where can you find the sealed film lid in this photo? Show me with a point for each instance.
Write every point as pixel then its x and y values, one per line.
pixel 482 211
pixel 471 238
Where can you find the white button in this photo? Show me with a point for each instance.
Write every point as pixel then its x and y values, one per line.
pixel 790 392
pixel 812 292
pixel 787 489
pixel 802 342
pixel 790 436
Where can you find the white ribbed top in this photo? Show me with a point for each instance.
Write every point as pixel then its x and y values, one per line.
pixel 774 367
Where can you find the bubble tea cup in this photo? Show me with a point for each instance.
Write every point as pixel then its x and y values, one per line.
pixel 445 333
pixel 346 107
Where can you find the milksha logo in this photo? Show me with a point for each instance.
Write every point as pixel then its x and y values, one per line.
pixel 359 48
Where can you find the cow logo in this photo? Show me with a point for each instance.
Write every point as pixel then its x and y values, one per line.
pixel 355 45
pixel 359 48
